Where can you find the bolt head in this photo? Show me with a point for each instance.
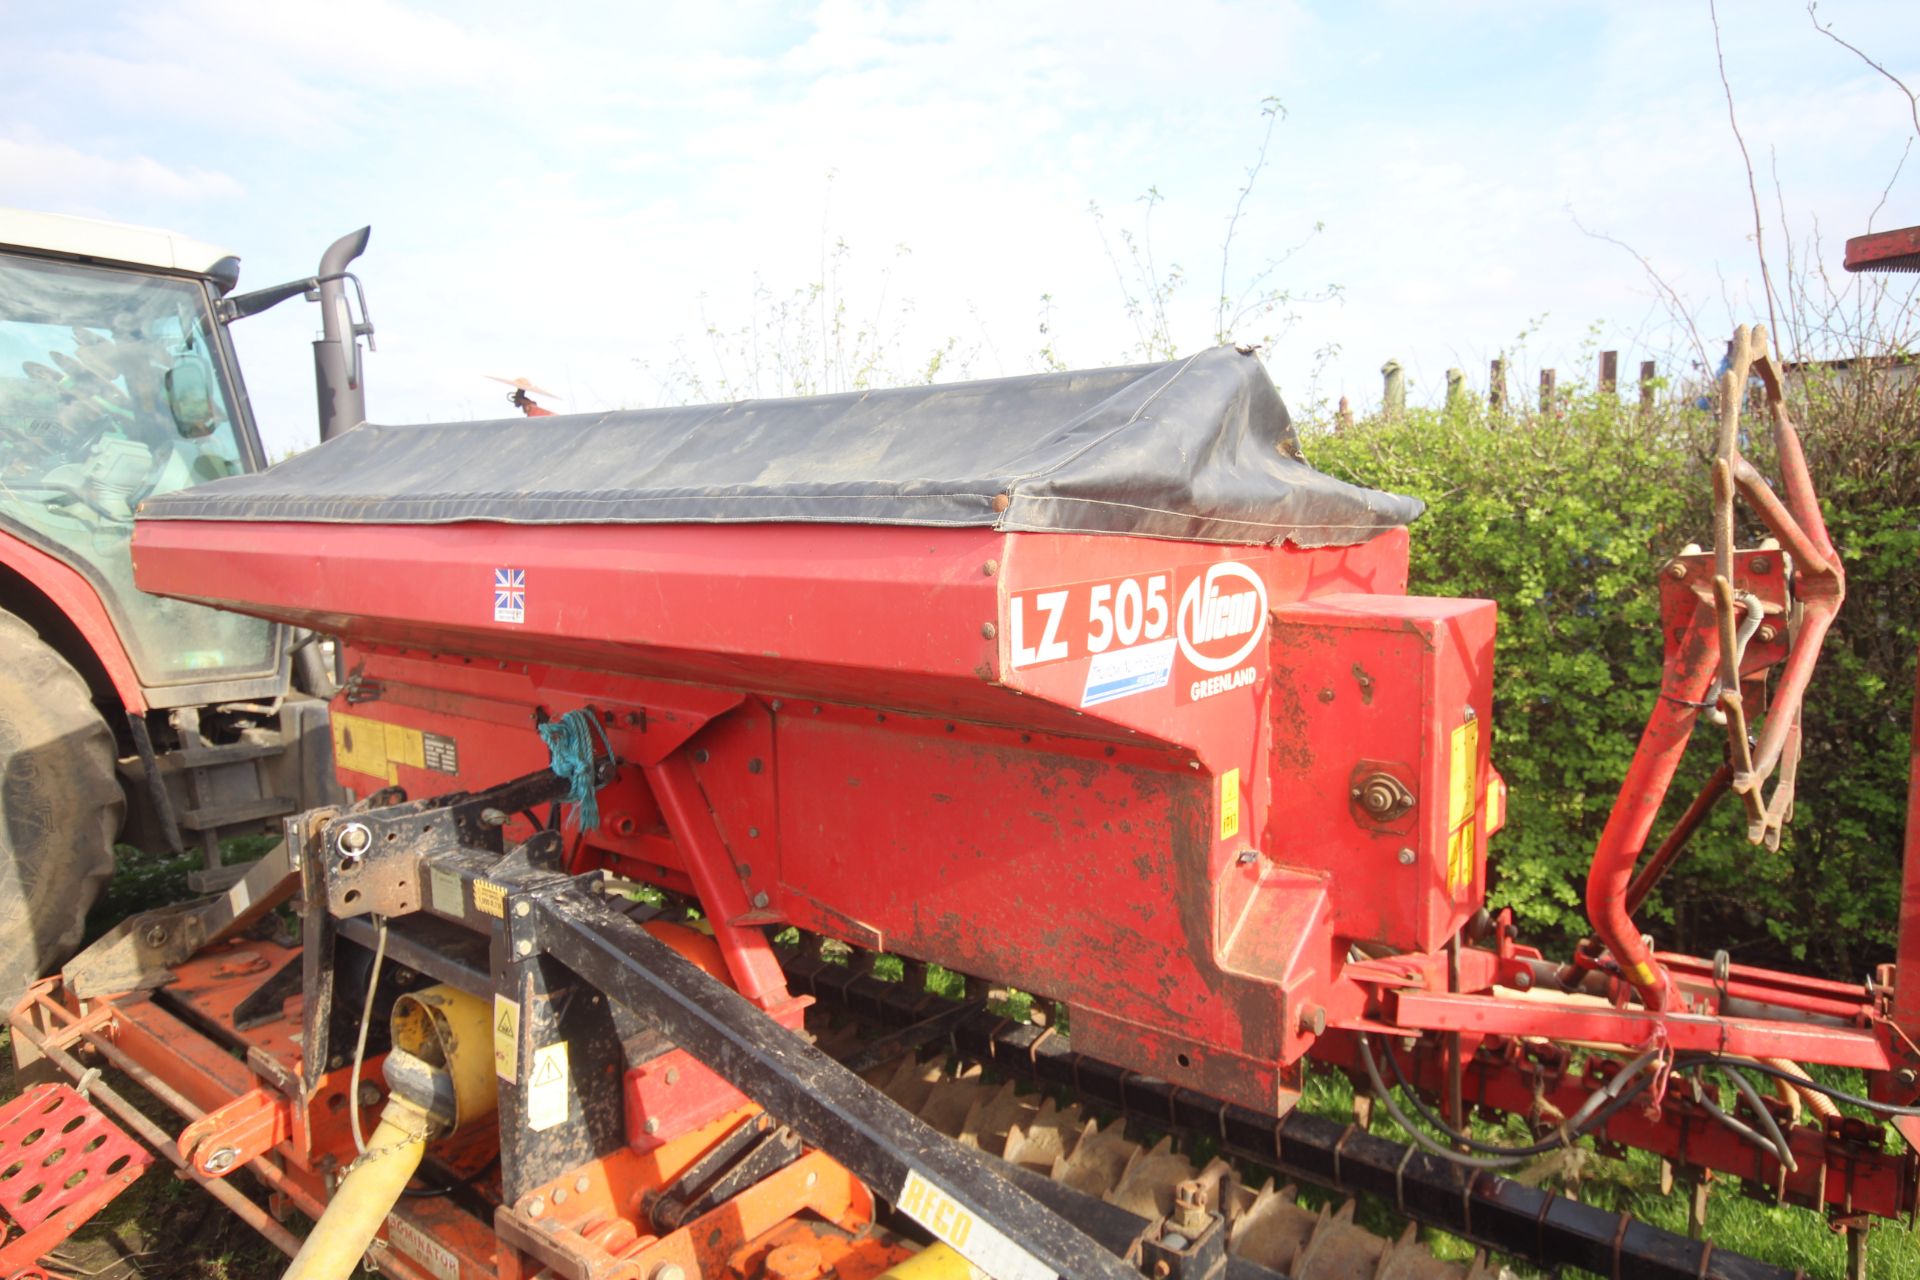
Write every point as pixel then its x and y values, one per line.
pixel 668 1271
pixel 990 568
pixel 369 1094
pixel 156 935
pixel 1248 857
pixel 580 1184
pixel 1676 570
pixel 222 1160
pixel 536 1207
pixel 1768 634
pixel 1407 857
pixel 761 899
pixel 1760 564
pixel 523 947
pixel 559 1195
pixel 651 1126
pixel 1906 1076
pixel 988 630
pixel 1523 980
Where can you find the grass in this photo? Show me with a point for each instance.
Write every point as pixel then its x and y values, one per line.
pixel 1785 1236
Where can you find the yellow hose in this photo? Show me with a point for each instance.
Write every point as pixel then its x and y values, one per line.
pixel 363 1199
pixel 935 1262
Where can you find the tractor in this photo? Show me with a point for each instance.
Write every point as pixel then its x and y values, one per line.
pixel 124 716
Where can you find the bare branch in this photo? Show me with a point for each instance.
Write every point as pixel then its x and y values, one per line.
pixel 1672 296
pixel 1274 112
pixel 1913 101
pixel 1888 189
pixel 1753 190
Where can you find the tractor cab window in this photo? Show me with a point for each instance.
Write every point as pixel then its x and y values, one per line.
pixel 112 389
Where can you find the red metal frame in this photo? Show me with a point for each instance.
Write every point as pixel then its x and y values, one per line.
pixel 76 598
pixel 61 1162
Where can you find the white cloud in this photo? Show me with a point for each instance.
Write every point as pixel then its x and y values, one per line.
pixel 48 175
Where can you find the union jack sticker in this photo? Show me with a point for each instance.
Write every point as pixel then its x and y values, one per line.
pixel 510 595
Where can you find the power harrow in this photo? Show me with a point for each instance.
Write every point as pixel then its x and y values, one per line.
pixel 720 774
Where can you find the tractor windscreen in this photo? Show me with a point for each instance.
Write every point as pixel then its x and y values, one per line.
pixel 113 390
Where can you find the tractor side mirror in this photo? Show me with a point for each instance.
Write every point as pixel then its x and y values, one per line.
pixel 190 397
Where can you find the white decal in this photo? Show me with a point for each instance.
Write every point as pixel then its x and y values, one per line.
pixel 423 1248
pixel 1051 647
pixel 973 1238
pixel 510 595
pixel 1228 602
pixel 1210 685
pixel 547 1087
pixel 1125 672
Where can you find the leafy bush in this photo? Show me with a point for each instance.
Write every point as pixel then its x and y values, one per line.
pixel 1565 521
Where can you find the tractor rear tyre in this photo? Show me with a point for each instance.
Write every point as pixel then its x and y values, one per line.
pixel 60 807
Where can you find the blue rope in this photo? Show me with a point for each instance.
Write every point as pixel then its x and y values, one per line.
pixel 570 744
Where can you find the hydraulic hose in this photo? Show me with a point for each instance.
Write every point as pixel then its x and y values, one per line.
pixel 1598 1108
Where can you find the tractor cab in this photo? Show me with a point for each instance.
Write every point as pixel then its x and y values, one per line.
pixel 117 383
pixel 127 717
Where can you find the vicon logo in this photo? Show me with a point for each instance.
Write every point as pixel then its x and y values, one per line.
pixel 1223 614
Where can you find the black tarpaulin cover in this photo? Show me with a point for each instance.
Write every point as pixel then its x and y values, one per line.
pixel 1198 449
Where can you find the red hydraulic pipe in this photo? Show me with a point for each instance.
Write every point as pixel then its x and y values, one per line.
pixel 1906 986
pixel 1689 674
pixel 1676 842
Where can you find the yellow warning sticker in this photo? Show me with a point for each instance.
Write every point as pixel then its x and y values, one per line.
pixel 490 898
pixel 1464 758
pixel 1460 858
pixel 1463 795
pixel 1230 804
pixel 506 1037
pixel 375 748
pixel 546 1098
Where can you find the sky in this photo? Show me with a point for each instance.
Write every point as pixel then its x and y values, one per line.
pixel 642 203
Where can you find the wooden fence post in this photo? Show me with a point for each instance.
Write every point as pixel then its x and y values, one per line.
pixel 1609 372
pixel 1393 391
pixel 1546 391
pixel 1497 384
pixel 1343 416
pixel 1647 375
pixel 1456 389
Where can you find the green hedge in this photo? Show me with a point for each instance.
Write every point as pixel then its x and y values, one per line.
pixel 1565 522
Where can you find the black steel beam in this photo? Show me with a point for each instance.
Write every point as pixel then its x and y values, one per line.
pixel 1012 1236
